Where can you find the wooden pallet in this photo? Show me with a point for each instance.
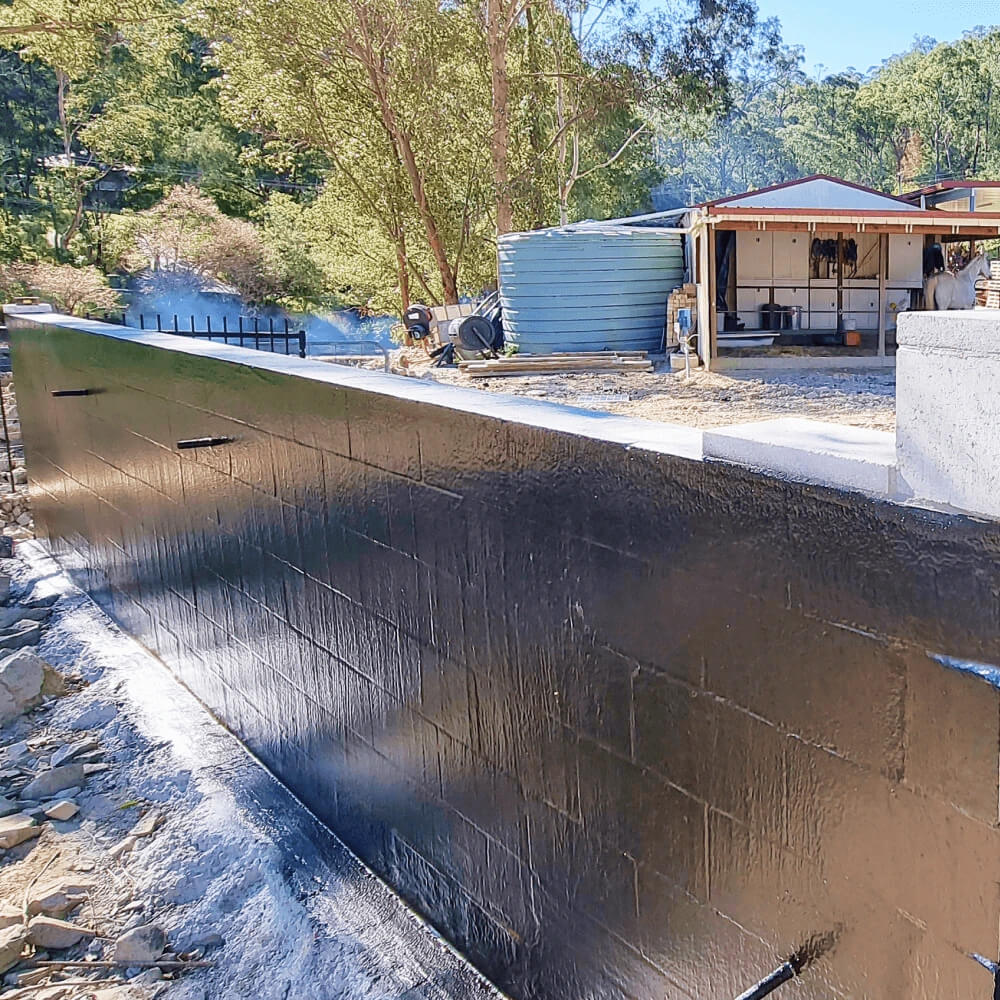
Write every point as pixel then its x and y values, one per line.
pixel 551 364
pixel 563 356
pixel 988 291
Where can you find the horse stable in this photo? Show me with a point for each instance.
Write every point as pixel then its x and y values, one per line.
pixel 815 271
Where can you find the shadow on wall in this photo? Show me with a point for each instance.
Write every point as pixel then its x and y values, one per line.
pixel 618 723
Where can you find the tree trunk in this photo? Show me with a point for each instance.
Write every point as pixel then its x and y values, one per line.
pixel 402 269
pixel 448 279
pixel 536 136
pixel 404 150
pixel 497 37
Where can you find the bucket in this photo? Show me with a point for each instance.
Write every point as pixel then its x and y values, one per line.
pixel 852 338
pixel 796 317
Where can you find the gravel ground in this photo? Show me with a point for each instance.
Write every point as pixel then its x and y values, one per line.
pixel 706 399
pixel 235 872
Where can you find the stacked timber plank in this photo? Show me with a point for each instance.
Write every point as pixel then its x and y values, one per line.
pixel 685 297
pixel 552 364
pixel 992 286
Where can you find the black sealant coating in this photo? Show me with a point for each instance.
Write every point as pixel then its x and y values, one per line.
pixel 620 724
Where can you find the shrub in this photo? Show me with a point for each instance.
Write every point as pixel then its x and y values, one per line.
pixel 74 290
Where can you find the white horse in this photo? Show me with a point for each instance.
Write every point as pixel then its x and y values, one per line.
pixel 945 290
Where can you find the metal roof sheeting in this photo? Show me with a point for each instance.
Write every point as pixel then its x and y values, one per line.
pixel 588 289
pixel 818 193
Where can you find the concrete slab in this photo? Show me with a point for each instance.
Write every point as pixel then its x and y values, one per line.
pixel 852 458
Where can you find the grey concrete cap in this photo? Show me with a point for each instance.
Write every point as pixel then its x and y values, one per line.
pixel 811 451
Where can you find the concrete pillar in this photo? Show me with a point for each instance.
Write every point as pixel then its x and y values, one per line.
pixel 948 410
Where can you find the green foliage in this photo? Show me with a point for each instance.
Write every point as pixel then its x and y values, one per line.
pixel 368 152
pixel 927 114
pixel 185 236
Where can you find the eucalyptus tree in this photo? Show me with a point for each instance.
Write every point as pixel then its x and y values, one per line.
pixel 393 96
pixel 706 154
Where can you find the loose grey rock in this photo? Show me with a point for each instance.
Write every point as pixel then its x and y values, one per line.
pixel 56 899
pixel 17 829
pixel 4 587
pixel 6 547
pixel 16 750
pixel 54 780
pixel 10 915
pixel 122 848
pixel 89 769
pixel 63 793
pixel 63 810
pixel 141 944
pixel 50 932
pixel 147 825
pixel 7 806
pixel 12 942
pixel 26 633
pixel 21 678
pixel 95 716
pixel 69 750
pixel 206 941
pixel 29 977
pixel 16 613
pixel 43 601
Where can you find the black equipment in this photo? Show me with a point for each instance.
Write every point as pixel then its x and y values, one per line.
pixel 417 320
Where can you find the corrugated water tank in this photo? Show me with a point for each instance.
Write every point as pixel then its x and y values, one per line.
pixel 588 288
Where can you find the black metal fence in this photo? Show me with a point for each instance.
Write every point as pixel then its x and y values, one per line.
pixel 244 332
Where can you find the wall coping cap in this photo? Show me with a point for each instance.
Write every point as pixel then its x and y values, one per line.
pixel 632 432
pixel 24 309
pixel 959 331
pixel 812 451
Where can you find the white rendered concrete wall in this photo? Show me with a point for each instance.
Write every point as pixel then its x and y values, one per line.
pixel 948 410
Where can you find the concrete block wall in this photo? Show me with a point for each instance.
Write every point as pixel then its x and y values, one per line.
pixel 619 722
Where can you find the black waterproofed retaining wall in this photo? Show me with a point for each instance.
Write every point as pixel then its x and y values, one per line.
pixel 621 724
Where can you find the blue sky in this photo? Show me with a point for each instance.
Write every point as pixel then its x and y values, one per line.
pixel 861 33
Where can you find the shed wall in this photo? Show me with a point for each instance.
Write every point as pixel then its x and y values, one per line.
pixel 619 723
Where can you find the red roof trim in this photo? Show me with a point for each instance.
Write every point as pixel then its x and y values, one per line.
pixel 804 180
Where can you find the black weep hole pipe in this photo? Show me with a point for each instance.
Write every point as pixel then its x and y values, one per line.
pixel 780 975
pixel 993 969
pixel 205 442
pixel 816 946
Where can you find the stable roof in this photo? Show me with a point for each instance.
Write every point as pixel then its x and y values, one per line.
pixel 958 196
pixel 821 203
pixel 820 192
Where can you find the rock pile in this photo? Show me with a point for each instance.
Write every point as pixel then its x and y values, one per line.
pixel 15 507
pixel 53 944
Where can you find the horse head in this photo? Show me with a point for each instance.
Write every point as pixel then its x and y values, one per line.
pixel 981 266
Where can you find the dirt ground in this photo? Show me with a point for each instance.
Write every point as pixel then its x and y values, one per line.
pixel 706 399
